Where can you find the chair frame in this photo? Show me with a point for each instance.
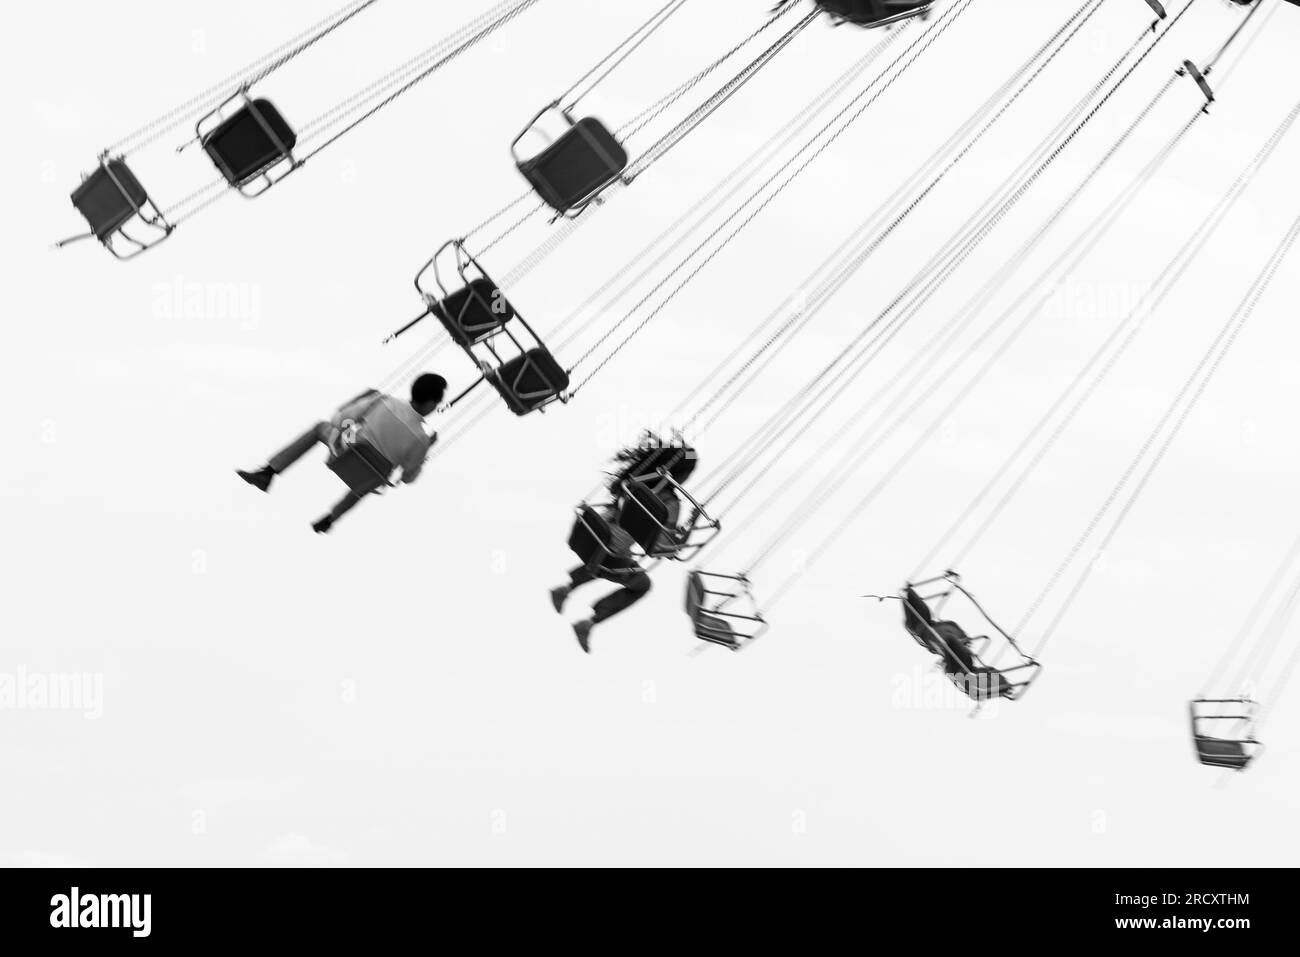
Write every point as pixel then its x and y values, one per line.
pixel 147 213
pixel 687 542
pixel 576 209
pixel 483 349
pixel 1198 711
pixel 718 592
pixel 263 176
pixel 1017 677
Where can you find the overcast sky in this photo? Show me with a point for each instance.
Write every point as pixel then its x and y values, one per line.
pixel 400 692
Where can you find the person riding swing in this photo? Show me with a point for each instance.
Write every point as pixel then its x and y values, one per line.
pixel 641 519
pixel 369 438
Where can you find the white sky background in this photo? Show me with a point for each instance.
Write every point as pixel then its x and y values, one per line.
pixel 227 633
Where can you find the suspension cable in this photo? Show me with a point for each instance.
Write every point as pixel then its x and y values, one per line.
pixel 828 288
pixel 1188 397
pixel 1248 626
pixel 827 488
pixel 645 261
pixel 934 274
pixel 926 281
pixel 915 51
pixel 710 106
pixel 629 46
pixel 518 7
pixel 1130 327
pixel 160 126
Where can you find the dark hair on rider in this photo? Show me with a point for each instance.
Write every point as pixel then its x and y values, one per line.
pixel 650 454
pixel 428 389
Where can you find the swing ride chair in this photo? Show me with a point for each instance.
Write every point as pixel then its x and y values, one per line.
pixel 874 13
pixel 111 199
pixel 645 516
pixel 573 169
pixel 479 319
pixel 1215 734
pixel 362 467
pixel 592 540
pixel 723 610
pixel 982 682
pixel 250 143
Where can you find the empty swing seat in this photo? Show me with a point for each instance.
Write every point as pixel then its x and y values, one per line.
pixel 363 468
pixel 475 312
pixel 1223 732
pixel 571 171
pixel 529 381
pixel 708 627
pixel 712 616
pixel 250 142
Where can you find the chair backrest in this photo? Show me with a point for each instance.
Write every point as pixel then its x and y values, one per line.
pixel 591 535
pixel 475 311
pixel 249 141
pixel 644 514
pixel 586 158
pixel 530 381
pixel 694 594
pixel 109 197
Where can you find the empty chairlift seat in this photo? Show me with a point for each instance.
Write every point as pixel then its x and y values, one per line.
pixel 722 610
pixel 1223 732
pixel 250 143
pixel 576 167
pixel 481 320
pixel 118 210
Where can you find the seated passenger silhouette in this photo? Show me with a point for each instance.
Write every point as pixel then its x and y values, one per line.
pixel 368 437
pixel 643 510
